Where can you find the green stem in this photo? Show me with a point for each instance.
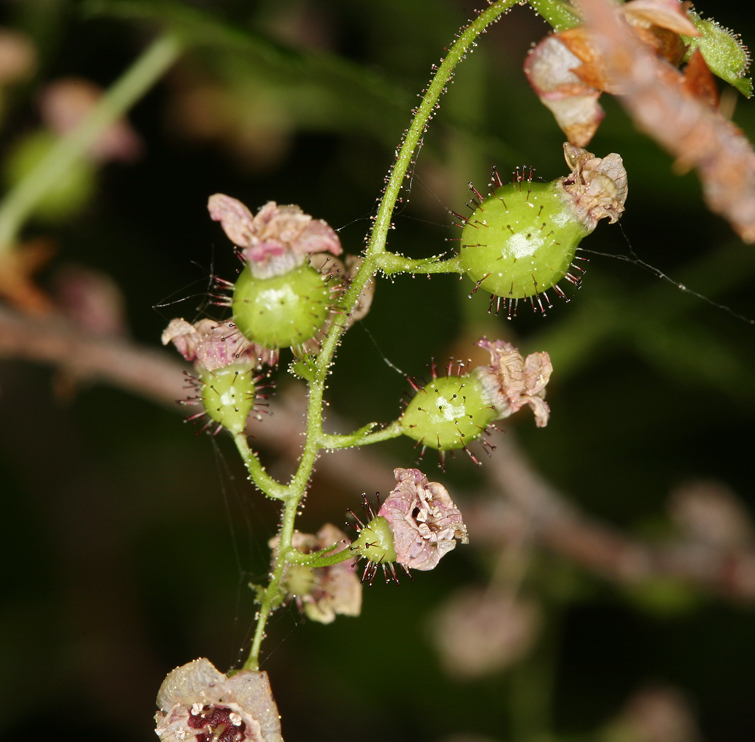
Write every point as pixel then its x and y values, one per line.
pixel 390 263
pixel 272 594
pixel 374 255
pixel 21 201
pixel 559 14
pixel 324 558
pixel 257 472
pixel 361 437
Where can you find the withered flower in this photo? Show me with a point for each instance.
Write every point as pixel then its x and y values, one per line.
pixel 323 592
pixel 213 345
pixel 512 381
pixel 197 702
pixel 425 522
pixel 275 240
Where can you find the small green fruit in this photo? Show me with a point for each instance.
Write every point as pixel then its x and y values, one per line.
pixel 228 395
pixel 448 413
pixel 521 241
pixel 281 311
pixel 375 542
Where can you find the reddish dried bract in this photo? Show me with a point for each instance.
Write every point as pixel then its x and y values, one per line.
pixel 425 522
pixel 198 702
pixel 276 240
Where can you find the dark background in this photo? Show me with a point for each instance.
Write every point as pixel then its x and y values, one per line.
pixel 129 542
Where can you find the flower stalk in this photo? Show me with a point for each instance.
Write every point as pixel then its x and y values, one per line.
pixel 376 258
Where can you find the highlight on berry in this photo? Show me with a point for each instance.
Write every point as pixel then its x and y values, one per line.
pixel 522 239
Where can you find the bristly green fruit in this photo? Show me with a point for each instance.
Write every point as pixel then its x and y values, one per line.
pixel 521 241
pixel 282 311
pixel 375 542
pixel 228 395
pixel 448 413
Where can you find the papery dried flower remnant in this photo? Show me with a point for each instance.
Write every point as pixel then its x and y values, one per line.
pixel 423 518
pixel 275 240
pixel 197 702
pixel 596 188
pixel 511 381
pixel 322 592
pixel 213 345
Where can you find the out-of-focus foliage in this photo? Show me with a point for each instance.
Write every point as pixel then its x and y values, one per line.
pixel 130 543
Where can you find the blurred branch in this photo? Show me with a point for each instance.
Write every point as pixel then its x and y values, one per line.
pixel 699 136
pixel 534 505
pixel 531 504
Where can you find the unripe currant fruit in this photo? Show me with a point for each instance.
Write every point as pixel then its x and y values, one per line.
pixel 281 311
pixel 521 240
pixel 228 395
pixel 375 542
pixel 448 413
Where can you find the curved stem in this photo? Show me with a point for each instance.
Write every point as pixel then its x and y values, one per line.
pixel 362 437
pixel 556 12
pixel 323 558
pixel 390 263
pixel 375 253
pixel 21 201
pixel 257 473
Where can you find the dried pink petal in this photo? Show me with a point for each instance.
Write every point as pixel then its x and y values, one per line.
pixel 198 701
pixel 510 382
pixel 64 103
pixel 425 522
pixel 323 592
pixel 277 239
pixel 213 345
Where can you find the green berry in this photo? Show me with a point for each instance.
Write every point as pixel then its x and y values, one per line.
pixel 375 542
pixel 448 413
pixel 228 395
pixel 521 241
pixel 281 311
